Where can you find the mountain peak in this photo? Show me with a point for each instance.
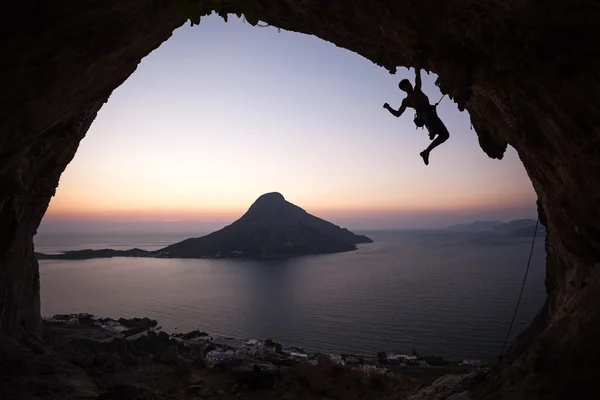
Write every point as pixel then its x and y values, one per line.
pixel 272 227
pixel 270 203
pixel 271 197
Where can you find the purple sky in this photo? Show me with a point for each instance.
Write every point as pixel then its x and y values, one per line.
pixel 224 112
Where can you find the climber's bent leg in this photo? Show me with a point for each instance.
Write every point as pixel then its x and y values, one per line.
pixel 442 135
pixel 441 138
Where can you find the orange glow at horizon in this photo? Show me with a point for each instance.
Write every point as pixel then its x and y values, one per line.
pixel 173 213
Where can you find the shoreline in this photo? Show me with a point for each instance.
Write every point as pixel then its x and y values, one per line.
pixel 132 359
pixel 106 329
pixel 94 254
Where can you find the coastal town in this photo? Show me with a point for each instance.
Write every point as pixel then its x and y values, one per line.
pixel 225 352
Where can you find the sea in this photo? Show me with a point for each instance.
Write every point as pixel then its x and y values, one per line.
pixel 437 292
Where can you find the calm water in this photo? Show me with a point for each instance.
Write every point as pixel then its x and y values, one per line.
pixel 448 294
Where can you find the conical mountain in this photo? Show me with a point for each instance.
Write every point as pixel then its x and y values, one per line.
pixel 272 227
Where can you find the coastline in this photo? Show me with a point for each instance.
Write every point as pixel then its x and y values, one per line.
pixel 90 254
pixel 133 359
pixel 107 330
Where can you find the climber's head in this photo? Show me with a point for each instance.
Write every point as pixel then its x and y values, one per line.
pixel 405 85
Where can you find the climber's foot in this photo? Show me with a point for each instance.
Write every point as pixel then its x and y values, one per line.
pixel 425 156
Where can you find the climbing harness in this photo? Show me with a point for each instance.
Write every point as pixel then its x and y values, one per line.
pixel 522 286
pixel 420 120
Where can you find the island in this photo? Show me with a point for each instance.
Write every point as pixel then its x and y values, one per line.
pixel 271 228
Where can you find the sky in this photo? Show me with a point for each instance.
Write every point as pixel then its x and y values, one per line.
pixel 224 112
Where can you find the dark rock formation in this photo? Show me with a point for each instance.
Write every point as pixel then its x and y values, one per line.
pixel 257 375
pixel 272 227
pixel 126 391
pixel 527 72
pixel 35 372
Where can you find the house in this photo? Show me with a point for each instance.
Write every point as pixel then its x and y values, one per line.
pixel 218 356
pixel 230 353
pixel 352 360
pixel 63 318
pixel 409 360
pixel 252 347
pixel 394 359
pixel 336 359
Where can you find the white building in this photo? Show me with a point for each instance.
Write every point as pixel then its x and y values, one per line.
pixel 352 360
pixel 407 357
pixel 218 356
pixel 336 358
pixel 394 358
pixel 472 363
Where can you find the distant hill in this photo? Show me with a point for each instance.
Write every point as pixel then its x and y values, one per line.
pixel 521 227
pixel 518 227
pixel 476 226
pixel 272 227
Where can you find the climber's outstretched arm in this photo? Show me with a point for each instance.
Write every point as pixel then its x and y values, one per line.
pixel 417 78
pixel 396 113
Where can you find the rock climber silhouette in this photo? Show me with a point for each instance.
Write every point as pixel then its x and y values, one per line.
pixel 426 114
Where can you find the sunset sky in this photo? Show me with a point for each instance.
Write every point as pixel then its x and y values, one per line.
pixel 224 112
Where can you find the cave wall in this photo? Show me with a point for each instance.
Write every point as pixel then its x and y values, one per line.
pixel 527 72
pixel 30 188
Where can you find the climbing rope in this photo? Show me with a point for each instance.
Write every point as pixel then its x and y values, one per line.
pixel 436 104
pixel 522 286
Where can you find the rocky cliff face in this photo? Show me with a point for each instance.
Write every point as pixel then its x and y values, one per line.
pixel 527 72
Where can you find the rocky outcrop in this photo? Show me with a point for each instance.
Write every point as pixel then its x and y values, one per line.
pixel 447 387
pixel 34 170
pixel 527 72
pixel 36 372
